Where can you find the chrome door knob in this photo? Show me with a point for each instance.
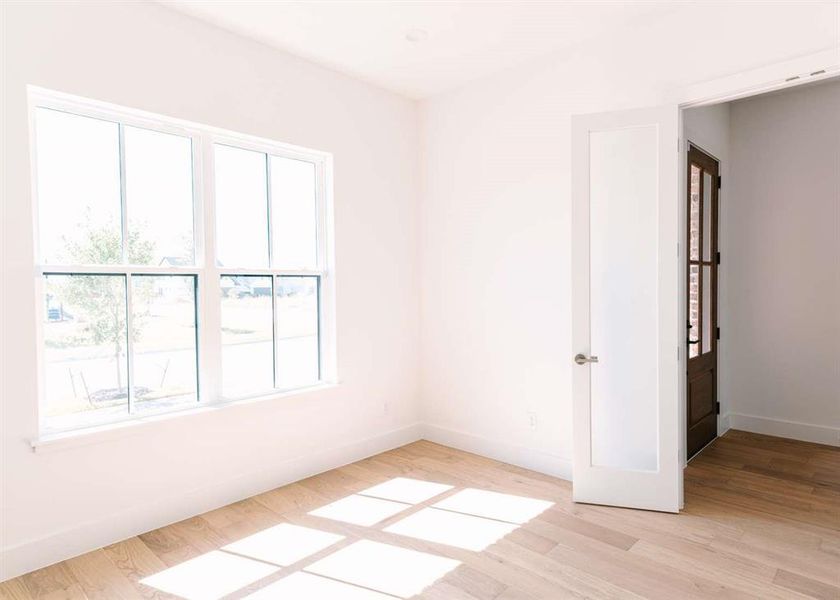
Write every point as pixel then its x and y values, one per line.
pixel 582 359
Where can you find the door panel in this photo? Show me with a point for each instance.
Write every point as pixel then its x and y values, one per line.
pixel 702 391
pixel 701 367
pixel 623 232
pixel 625 282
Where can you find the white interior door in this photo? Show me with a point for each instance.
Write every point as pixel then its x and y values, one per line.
pixel 625 170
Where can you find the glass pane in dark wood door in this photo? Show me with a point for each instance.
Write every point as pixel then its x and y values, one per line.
pixel 694 214
pixel 706 237
pixel 693 310
pixel 706 305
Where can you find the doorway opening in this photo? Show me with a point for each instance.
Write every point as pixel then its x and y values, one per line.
pixel 761 277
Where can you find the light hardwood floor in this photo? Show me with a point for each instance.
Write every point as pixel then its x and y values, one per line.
pixel 762 520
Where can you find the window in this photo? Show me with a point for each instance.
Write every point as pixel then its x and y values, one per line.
pixel 179 265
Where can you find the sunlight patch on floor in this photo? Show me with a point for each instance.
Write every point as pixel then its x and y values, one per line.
pixel 404 489
pixel 283 544
pixel 305 586
pixel 360 510
pixel 385 568
pixel 470 519
pixel 209 576
pixel 453 529
pixel 494 505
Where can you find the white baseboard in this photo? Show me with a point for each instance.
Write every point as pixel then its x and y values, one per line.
pixel 805 432
pixel 724 423
pixel 535 460
pixel 84 537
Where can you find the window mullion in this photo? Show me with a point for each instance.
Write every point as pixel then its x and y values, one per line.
pixel 129 313
pixel 275 354
pixel 326 279
pixel 129 341
pixel 321 218
pixel 123 202
pixel 269 230
pixel 209 284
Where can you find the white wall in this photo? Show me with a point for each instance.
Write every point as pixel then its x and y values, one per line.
pixel 707 127
pixel 495 220
pixel 781 372
pixel 62 502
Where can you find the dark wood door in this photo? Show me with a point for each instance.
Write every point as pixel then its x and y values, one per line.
pixel 702 328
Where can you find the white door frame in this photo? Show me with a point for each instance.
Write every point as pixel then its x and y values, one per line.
pixel 777 76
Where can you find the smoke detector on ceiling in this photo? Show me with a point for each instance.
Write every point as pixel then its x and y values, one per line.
pixel 416 35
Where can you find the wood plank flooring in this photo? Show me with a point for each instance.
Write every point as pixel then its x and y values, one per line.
pixel 761 520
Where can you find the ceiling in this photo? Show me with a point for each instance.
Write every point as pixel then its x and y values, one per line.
pixel 467 40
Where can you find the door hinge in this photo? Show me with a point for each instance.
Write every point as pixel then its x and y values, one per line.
pixel 720 179
pixel 717 258
pixel 717 408
pixel 717 332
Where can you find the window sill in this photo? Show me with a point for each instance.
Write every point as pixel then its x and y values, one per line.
pixel 101 433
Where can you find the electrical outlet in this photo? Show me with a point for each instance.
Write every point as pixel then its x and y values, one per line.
pixel 532 421
pixel 386 408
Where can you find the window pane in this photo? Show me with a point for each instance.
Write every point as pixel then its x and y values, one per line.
pixel 241 207
pixel 293 213
pixel 694 215
pixel 296 304
pixel 164 341
pixel 85 364
pixel 78 179
pixel 247 336
pixel 707 216
pixel 158 189
pixel 693 310
pixel 707 309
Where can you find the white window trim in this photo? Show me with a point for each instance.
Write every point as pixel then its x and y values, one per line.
pixel 208 273
pixel 99 433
